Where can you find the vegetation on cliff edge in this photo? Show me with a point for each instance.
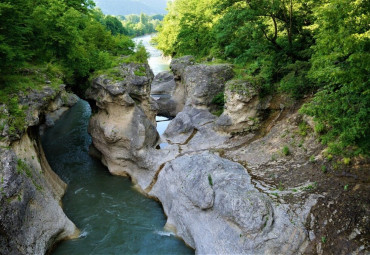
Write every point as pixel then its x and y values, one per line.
pixel 50 42
pixel 316 47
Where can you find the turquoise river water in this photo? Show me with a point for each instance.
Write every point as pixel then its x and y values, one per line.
pixel 112 216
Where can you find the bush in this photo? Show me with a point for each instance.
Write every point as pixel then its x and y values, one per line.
pixel 285 151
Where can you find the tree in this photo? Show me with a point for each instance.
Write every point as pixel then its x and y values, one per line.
pixel 341 66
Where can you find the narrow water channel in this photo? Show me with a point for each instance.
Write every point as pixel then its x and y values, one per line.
pixel 112 216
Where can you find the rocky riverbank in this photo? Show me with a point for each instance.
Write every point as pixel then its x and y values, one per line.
pixel 250 181
pixel 31 217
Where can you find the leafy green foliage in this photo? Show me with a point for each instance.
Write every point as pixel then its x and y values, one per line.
pixel 219 102
pixel 66 33
pixel 285 151
pixel 297 47
pixel 140 56
pixel 187 28
pixel 136 25
pixel 210 181
pixel 341 66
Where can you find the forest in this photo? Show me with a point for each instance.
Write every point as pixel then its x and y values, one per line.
pixel 137 25
pixel 316 50
pixel 55 42
pixel 66 35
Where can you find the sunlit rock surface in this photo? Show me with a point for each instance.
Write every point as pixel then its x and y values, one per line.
pixel 123 124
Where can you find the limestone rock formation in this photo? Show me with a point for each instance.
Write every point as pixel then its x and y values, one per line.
pixel 243 107
pixel 31 218
pixel 165 91
pixel 225 191
pixel 204 82
pixel 191 84
pixel 178 66
pixel 212 204
pixel 163 83
pixel 123 126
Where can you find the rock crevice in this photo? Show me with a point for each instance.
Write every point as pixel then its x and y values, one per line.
pixel 31 218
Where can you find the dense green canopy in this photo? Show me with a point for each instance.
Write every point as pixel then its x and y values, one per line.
pixel 294 46
pixel 67 32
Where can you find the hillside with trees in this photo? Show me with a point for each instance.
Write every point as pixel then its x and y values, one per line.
pixel 55 42
pixel 311 49
pixel 137 25
pixel 126 7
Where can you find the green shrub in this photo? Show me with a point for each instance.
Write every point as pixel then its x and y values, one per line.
pixel 285 151
pixel 219 99
pixel 210 180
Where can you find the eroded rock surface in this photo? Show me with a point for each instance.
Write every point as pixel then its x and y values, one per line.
pixel 225 190
pixel 31 218
pixel 243 107
pixel 123 126
pixel 178 66
pixel 212 204
pixel 191 84
pixel 168 94
pixel 204 82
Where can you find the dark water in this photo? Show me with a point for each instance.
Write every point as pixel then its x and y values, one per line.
pixel 112 216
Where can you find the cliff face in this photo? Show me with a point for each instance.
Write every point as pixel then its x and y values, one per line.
pixel 31 218
pixel 123 125
pixel 247 182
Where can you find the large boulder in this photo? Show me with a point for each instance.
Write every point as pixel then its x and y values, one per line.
pixel 243 107
pixel 123 126
pixel 168 94
pixel 194 85
pixel 163 84
pixel 212 204
pixel 178 65
pixel 204 82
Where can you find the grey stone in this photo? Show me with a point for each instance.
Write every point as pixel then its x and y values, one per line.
pixel 204 82
pixel 243 107
pixel 163 84
pixel 178 65
pixel 212 204
pixel 165 93
pixel 124 128
pixel 31 219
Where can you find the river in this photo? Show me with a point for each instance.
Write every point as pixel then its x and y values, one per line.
pixel 112 216
pixel 157 62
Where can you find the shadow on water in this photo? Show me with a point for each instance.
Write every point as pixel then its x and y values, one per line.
pixel 112 216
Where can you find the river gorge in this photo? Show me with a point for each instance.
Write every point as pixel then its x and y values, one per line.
pixel 113 217
pixel 151 163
